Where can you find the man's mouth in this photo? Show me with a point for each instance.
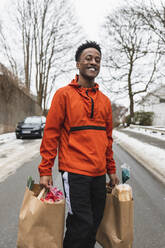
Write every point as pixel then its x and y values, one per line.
pixel 92 69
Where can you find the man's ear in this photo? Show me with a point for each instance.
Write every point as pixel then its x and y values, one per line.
pixel 78 65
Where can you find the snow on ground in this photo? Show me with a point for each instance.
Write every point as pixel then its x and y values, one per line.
pixel 152 157
pixel 14 153
pixel 149 132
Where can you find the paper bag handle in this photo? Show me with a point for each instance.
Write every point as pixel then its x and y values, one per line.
pixel 41 193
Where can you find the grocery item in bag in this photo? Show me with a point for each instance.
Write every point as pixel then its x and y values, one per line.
pixel 116 227
pixel 41 224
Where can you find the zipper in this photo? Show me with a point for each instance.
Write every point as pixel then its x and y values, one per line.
pixel 92 107
pixel 89 127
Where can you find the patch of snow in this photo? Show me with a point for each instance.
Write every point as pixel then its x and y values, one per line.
pixel 152 155
pixel 14 153
pixel 7 137
pixel 148 132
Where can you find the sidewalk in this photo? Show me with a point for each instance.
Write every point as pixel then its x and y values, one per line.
pixel 148 151
pixel 145 138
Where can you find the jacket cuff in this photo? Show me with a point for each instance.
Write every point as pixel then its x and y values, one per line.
pixel 111 171
pixel 45 172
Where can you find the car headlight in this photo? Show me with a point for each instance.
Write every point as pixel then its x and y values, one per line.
pixel 36 128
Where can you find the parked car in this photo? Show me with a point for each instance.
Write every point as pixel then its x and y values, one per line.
pixel 32 126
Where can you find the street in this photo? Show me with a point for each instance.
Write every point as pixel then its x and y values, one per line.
pixel 148 193
pixel 76 78
pixel 149 204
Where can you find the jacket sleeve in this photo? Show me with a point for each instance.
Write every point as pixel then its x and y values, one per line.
pixel 54 122
pixel 110 163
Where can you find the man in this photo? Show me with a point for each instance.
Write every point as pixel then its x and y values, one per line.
pixel 79 124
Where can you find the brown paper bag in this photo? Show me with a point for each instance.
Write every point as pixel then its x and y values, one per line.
pixel 116 228
pixel 40 224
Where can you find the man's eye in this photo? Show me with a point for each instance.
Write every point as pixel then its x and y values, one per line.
pixel 98 60
pixel 88 58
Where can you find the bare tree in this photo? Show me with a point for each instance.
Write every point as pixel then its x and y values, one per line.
pixel 153 17
pixel 48 34
pixel 6 51
pixel 48 28
pixel 130 62
pixel 118 112
pixel 25 24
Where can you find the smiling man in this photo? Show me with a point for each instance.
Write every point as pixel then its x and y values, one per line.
pixel 79 124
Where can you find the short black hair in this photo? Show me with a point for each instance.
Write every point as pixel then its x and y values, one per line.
pixel 82 47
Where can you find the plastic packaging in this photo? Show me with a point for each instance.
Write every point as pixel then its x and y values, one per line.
pixel 125 172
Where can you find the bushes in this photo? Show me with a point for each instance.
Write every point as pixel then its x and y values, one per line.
pixel 140 118
pixel 128 120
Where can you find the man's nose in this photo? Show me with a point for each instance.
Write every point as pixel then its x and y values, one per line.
pixel 93 61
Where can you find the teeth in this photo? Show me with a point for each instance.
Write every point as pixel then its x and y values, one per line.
pixel 92 69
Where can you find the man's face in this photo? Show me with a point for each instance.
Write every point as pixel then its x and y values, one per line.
pixel 89 63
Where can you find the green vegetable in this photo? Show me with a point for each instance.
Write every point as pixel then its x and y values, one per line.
pixel 30 183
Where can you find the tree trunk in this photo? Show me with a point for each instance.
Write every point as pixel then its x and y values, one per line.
pixel 130 90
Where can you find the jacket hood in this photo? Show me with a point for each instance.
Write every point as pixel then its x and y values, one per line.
pixel 75 84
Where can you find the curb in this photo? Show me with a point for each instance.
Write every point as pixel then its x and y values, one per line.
pixel 151 167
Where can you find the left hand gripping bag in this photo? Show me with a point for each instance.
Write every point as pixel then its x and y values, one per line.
pixel 41 224
pixel 116 227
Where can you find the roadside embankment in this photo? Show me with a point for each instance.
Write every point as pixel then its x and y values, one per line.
pixel 15 103
pixel 149 156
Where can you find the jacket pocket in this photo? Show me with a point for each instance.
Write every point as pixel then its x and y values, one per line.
pixel 88 144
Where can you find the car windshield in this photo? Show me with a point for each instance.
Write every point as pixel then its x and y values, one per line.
pixel 33 120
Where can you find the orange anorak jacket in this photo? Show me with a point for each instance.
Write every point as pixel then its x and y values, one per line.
pixel 79 125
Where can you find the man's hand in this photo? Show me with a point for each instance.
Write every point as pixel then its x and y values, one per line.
pixel 46 181
pixel 113 180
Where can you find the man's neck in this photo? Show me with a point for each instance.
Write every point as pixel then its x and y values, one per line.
pixel 85 83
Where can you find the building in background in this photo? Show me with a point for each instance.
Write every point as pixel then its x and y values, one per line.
pixel 155 102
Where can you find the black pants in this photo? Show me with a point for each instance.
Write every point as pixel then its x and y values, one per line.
pixel 85 197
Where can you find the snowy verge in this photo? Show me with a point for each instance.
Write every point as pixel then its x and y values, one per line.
pixel 148 132
pixel 151 157
pixel 15 153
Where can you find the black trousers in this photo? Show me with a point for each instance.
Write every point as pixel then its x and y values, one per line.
pixel 85 197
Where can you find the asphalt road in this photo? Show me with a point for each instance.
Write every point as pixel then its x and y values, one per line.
pixel 148 193
pixel 149 203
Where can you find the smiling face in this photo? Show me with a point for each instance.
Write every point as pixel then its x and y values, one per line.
pixel 89 64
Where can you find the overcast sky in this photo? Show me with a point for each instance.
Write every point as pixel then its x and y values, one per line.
pixel 89 12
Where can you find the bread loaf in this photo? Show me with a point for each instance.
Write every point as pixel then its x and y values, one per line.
pixel 123 192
